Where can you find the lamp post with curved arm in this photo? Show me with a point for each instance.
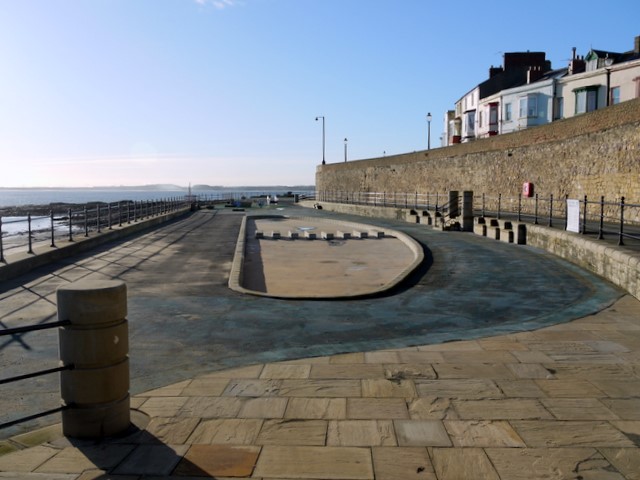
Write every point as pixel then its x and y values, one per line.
pixel 317 118
pixel 429 131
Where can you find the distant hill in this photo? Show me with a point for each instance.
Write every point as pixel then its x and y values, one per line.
pixel 178 188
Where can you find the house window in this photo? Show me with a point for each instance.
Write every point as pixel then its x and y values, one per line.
pixel 586 99
pixel 471 124
pixel 493 114
pixel 507 112
pixel 480 117
pixel 528 106
pixel 615 95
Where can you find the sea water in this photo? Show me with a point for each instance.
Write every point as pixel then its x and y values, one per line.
pixel 11 197
pixel 17 197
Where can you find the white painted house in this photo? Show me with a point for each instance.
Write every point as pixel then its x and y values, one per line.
pixel 520 107
pixel 525 92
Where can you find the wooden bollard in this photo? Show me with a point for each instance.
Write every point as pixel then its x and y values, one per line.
pixel 95 391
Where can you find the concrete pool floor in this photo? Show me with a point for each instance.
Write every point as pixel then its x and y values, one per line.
pixel 367 262
pixel 458 373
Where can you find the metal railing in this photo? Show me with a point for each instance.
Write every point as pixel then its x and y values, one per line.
pixel 60 223
pixel 39 373
pixel 599 216
pixel 416 200
pixel 80 221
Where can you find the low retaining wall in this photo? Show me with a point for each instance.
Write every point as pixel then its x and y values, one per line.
pixel 18 264
pixel 616 264
pixel 392 213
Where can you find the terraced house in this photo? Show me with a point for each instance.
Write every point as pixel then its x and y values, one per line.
pixel 526 92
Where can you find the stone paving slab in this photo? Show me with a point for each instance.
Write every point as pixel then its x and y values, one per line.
pixel 387 420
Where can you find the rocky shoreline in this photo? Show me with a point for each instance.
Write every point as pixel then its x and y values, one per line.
pixel 41 210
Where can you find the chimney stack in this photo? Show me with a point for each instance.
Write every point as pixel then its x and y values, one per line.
pixel 636 44
pixel 534 74
pixel 493 71
pixel 577 63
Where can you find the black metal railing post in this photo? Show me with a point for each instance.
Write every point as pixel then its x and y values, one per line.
pixel 519 206
pixel 70 225
pixel 1 245
pixel 499 204
pixel 550 224
pixel 621 233
pixel 29 232
pixel 601 227
pixel 584 216
pixel 86 222
pixel 535 215
pixel 53 242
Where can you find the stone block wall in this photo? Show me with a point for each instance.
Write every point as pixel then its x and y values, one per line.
pixel 593 154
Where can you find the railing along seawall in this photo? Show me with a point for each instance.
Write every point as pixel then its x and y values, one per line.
pixel 79 221
pixel 604 218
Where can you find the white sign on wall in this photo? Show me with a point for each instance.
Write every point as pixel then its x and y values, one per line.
pixel 573 215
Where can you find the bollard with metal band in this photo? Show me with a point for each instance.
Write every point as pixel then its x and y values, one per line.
pixel 95 392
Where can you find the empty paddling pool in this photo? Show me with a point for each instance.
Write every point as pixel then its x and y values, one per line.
pixel 306 258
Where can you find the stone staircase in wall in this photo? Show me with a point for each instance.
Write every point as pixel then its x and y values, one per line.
pixel 435 219
pixel 508 231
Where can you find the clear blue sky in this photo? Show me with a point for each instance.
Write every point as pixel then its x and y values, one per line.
pixel 226 92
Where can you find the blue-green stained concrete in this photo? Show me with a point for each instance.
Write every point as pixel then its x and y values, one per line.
pixel 470 288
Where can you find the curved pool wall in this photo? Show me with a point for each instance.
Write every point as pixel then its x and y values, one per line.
pixel 236 275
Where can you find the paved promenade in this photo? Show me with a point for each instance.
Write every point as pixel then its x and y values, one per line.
pixel 470 371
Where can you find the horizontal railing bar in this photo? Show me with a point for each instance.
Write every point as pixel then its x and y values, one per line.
pixel 35 374
pixel 32 328
pixel 33 417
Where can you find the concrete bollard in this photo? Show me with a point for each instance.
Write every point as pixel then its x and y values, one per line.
pixel 96 343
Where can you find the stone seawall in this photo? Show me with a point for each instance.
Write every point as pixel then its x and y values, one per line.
pixel 594 154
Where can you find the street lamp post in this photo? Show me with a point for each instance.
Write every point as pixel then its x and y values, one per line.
pixel 607 64
pixel 345 149
pixel 317 118
pixel 429 131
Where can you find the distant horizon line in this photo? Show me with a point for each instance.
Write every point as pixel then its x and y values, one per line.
pixel 161 186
